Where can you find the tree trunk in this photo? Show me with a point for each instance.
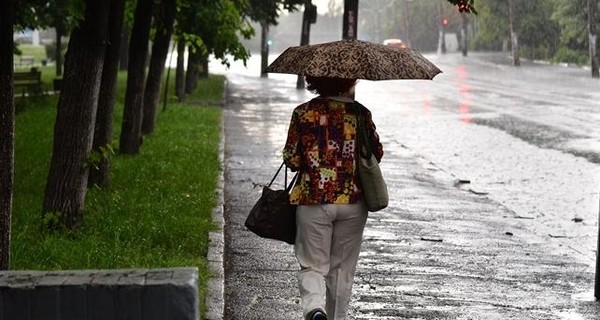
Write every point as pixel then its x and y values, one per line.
pixel 513 33
pixel 131 129
pixel 264 49
pixel 67 180
pixel 180 71
pixel 593 37
pixel 124 49
pixel 7 129
pixel 191 75
pixel 203 73
pixel 100 172
pixel 58 57
pixel 160 50
pixel 463 33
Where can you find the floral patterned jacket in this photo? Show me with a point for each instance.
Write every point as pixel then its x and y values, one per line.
pixel 321 145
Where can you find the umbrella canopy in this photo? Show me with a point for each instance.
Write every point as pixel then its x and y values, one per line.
pixel 354 59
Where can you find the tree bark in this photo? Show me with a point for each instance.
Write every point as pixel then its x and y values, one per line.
pixel 203 73
pixel 264 49
pixel 160 49
pixel 191 75
pixel 7 129
pixel 514 37
pixel 124 49
pixel 58 57
pixel 131 129
pixel 593 37
pixel 67 180
pixel 180 71
pixel 463 32
pixel 100 172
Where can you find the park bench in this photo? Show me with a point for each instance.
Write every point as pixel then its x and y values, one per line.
pixel 26 61
pixel 30 81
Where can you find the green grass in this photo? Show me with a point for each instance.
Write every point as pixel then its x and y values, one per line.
pixel 37 52
pixel 157 212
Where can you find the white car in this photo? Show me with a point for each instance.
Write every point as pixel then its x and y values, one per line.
pixel 395 43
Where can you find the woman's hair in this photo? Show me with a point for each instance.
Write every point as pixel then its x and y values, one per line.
pixel 329 86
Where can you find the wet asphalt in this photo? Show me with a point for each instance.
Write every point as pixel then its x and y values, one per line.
pixel 437 252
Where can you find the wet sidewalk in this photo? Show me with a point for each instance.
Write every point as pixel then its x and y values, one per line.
pixel 437 252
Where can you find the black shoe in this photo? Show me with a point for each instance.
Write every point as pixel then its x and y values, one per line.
pixel 317 314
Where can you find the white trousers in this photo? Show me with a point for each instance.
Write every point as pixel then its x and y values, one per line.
pixel 327 246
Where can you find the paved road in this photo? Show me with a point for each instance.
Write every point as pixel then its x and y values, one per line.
pixel 526 136
pixel 440 251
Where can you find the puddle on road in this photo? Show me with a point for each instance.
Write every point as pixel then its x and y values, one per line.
pixel 566 315
pixel 587 296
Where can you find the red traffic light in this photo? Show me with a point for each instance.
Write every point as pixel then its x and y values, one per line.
pixel 445 21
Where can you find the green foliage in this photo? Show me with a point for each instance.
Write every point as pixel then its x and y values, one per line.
pixel 129 13
pixel 214 28
pixel 466 6
pixel 97 156
pixel 535 24
pixel 571 16
pixel 567 55
pixel 268 11
pixel 51 222
pixel 34 14
pixel 536 42
pixel 492 25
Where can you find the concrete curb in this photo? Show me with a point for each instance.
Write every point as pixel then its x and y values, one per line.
pixel 151 294
pixel 215 301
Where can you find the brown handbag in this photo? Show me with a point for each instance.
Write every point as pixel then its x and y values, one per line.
pixel 273 216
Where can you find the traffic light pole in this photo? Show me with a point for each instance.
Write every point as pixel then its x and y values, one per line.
pixel 442 31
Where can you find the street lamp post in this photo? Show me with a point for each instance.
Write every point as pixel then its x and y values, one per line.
pixel 350 19
pixel 597 276
pixel 309 17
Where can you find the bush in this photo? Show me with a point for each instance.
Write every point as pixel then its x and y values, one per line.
pixel 566 55
pixel 536 53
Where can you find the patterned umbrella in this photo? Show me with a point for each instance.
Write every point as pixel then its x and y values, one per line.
pixel 354 59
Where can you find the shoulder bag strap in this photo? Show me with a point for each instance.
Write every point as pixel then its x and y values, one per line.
pixel 277 173
pixel 288 186
pixel 362 136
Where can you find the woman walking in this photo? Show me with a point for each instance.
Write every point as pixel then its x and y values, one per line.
pixel 321 145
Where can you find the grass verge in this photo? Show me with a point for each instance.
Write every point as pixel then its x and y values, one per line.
pixel 157 212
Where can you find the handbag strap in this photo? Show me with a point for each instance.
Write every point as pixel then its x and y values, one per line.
pixel 362 137
pixel 288 186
